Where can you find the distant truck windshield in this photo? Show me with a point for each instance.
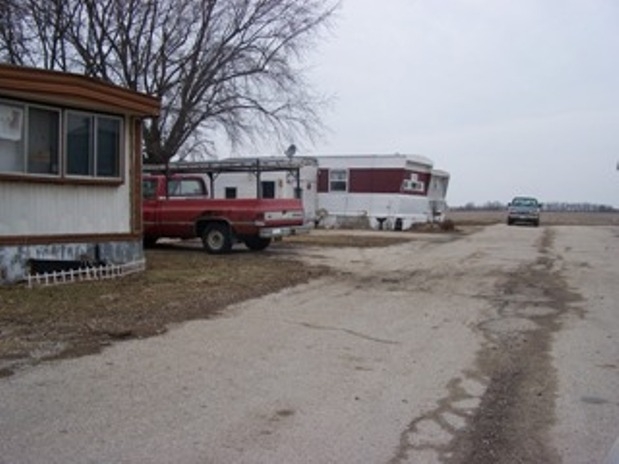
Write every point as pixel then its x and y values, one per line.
pixel 523 210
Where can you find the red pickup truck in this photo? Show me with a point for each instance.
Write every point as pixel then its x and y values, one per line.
pixel 179 206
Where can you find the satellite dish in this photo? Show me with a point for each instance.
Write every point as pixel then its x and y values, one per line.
pixel 290 151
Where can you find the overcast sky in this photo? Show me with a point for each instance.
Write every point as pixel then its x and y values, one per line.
pixel 508 96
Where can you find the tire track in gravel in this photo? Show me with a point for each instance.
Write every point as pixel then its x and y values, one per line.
pixel 502 410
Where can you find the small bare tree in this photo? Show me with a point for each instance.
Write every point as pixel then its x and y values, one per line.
pixel 217 65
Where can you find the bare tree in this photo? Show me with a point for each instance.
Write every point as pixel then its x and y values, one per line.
pixel 218 65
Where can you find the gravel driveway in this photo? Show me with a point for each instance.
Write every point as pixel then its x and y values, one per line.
pixel 494 347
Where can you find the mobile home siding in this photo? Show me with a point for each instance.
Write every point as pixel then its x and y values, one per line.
pixel 62 217
pixel 376 193
pixel 375 180
pixel 56 208
pixel 44 209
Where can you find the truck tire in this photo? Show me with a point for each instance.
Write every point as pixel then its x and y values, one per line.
pixel 216 238
pixel 149 241
pixel 257 243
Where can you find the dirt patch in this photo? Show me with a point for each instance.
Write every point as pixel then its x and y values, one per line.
pixel 181 283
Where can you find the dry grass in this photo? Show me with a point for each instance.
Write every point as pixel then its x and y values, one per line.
pixel 346 238
pixel 181 283
pixel 547 218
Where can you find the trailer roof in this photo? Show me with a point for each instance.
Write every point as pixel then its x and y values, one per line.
pixel 56 87
pixel 419 159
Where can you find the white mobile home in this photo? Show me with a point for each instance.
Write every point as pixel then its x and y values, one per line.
pixel 378 191
pixel 388 191
pixel 70 167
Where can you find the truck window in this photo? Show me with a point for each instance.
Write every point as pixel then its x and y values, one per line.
pixel 149 188
pixel 230 192
pixel 268 189
pixel 186 188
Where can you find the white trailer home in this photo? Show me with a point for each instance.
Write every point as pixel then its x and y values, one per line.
pixel 387 191
pixel 378 191
pixel 70 172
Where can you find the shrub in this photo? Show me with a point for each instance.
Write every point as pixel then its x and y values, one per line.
pixel 448 225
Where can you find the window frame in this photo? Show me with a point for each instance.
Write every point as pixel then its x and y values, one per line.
pixel 413 186
pixel 27 135
pixel 149 193
pixel 94 145
pixel 345 181
pixel 230 193
pixel 20 142
pixel 176 188
pixel 62 175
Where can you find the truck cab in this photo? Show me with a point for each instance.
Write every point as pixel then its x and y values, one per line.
pixel 181 206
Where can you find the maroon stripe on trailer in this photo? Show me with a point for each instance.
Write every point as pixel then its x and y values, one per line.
pixel 375 180
pixel 372 180
pixel 323 180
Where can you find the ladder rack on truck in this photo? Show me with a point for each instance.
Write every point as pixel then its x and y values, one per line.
pixel 213 169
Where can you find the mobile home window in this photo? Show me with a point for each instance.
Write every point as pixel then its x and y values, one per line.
pixel 338 180
pixel 43 141
pixel 29 139
pixel 80 149
pixel 93 145
pixel 108 147
pixel 11 138
pixel 31 142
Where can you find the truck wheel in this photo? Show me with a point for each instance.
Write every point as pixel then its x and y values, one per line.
pixel 216 239
pixel 257 243
pixel 149 241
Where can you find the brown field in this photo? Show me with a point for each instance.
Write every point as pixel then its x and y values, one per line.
pixel 547 218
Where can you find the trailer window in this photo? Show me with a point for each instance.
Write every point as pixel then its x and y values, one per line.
pixel 338 180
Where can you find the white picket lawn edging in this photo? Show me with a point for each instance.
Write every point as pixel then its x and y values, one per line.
pixel 110 271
